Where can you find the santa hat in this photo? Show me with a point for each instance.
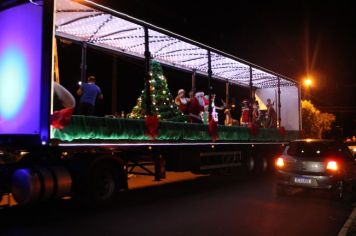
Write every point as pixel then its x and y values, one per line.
pixel 199 94
pixel 181 91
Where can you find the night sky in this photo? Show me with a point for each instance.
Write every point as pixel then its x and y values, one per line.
pixel 293 38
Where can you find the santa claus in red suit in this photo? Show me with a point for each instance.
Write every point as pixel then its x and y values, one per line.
pixel 182 101
pixel 196 107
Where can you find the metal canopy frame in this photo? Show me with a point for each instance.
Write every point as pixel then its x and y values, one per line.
pixel 94 24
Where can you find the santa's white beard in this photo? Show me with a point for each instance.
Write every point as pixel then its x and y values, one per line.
pixel 201 101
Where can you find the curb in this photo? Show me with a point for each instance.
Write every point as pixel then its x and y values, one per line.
pixel 344 230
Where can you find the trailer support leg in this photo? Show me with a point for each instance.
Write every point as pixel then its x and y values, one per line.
pixel 160 167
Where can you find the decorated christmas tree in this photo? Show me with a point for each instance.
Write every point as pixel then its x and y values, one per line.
pixel 162 101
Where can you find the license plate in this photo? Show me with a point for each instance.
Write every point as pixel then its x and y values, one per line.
pixel 300 180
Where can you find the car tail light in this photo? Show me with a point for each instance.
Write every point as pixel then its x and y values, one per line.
pixel 332 165
pixel 280 162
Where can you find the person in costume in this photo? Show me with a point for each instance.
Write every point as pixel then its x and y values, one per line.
pixel 256 114
pixel 215 108
pixel 196 107
pixel 271 115
pixel 245 114
pixel 182 101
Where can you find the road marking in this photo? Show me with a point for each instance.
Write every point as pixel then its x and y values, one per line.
pixel 344 230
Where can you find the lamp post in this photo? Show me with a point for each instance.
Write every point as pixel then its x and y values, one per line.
pixel 307 84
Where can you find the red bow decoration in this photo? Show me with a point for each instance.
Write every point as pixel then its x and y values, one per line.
pixel 60 119
pixel 253 129
pixel 282 131
pixel 213 129
pixel 151 123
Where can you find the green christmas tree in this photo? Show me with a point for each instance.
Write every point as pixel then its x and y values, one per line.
pixel 162 103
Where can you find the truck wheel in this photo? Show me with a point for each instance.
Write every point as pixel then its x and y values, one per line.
pixel 103 184
pixel 250 164
pixel 264 165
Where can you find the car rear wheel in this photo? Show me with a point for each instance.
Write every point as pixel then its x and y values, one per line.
pixel 338 192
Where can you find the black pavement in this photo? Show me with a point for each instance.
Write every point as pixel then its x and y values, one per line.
pixel 218 205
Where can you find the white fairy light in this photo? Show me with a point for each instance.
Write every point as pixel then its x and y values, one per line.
pixel 85 23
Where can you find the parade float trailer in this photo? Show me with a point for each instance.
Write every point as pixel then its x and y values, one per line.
pixel 91 157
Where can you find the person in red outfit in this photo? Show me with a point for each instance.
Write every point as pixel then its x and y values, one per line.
pixel 182 101
pixel 245 114
pixel 196 107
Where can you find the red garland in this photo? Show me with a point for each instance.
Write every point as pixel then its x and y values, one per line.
pixel 253 129
pixel 60 119
pixel 213 129
pixel 151 123
pixel 282 131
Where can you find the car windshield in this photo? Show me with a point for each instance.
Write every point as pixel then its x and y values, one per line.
pixel 313 149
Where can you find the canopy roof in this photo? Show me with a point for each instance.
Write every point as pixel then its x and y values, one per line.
pixel 97 25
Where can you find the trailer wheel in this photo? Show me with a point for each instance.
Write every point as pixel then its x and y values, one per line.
pixel 264 165
pixel 103 184
pixel 250 164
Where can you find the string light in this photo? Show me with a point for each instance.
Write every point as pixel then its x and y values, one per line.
pixel 105 30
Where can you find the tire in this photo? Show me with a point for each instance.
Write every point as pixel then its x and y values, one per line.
pixel 250 164
pixel 264 165
pixel 103 184
pixel 338 191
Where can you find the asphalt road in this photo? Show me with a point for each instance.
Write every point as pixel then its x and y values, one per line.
pixel 219 205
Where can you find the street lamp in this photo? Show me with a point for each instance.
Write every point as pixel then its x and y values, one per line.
pixel 307 84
